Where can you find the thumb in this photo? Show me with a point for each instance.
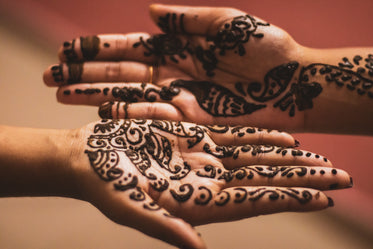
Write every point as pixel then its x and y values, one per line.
pixel 136 209
pixel 191 20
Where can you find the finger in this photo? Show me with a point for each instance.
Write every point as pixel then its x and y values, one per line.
pixel 89 72
pixel 98 93
pixel 242 202
pixel 204 205
pixel 322 178
pixel 144 110
pixel 106 48
pixel 239 135
pixel 193 20
pixel 238 156
pixel 142 213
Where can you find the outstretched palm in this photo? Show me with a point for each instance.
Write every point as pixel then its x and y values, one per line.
pixel 211 66
pixel 151 172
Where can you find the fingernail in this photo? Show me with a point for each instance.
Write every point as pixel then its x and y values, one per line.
pixel 105 110
pixel 330 202
pixel 296 143
pixel 351 182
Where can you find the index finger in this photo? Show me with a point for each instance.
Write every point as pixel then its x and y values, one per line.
pixel 195 20
pixel 110 47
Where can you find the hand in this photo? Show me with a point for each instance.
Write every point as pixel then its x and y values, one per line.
pixel 212 66
pixel 158 176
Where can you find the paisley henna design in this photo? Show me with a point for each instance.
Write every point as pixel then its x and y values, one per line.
pixel 140 142
pixel 164 45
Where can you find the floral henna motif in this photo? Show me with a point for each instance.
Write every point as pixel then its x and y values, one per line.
pixel 233 36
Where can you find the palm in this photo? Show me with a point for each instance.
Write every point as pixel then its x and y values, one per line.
pixel 246 61
pixel 152 171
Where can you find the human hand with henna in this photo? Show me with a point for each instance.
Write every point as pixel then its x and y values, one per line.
pixel 160 176
pixel 218 66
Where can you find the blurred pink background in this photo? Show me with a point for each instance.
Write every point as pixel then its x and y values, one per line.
pixel 318 23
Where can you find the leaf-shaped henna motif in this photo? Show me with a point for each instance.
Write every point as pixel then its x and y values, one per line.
pixel 216 100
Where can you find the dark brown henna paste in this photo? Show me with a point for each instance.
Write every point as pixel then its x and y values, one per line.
pixel 57 73
pixel 75 72
pixel 164 46
pixel 217 100
pixel 233 36
pixel 90 46
pixel 170 24
pixel 69 51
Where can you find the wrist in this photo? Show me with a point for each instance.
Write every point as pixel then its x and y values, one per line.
pixel 35 162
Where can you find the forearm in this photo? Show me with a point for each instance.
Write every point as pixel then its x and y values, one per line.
pixel 34 162
pixel 345 103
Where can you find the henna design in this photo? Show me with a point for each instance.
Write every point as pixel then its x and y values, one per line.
pixel 204 196
pixel 303 197
pixel 168 23
pixel 275 82
pixel 308 88
pixel 89 46
pixel 152 206
pixel 222 198
pixel 184 192
pixel 249 172
pixel 163 45
pixel 140 142
pixel 57 73
pixel 217 100
pixel 240 195
pixel 105 110
pixel 239 130
pixel 69 50
pixel 75 71
pixel 88 91
pixel 131 94
pixel 234 151
pixel 232 36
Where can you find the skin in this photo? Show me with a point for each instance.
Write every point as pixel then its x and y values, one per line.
pixel 42 162
pixel 116 62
